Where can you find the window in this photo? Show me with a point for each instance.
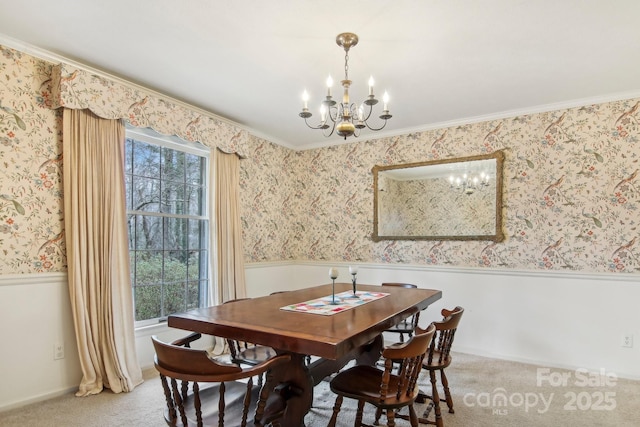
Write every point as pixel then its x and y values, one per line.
pixel 166 187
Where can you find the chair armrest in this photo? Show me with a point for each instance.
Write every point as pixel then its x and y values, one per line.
pixel 267 364
pixel 186 341
pixel 251 371
pixel 395 351
pixel 395 345
pixel 446 313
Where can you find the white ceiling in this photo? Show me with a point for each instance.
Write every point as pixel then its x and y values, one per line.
pixel 442 61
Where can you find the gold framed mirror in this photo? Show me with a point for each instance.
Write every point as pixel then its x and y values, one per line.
pixel 449 199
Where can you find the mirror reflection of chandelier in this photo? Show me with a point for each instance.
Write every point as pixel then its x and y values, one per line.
pixel 345 117
pixel 468 183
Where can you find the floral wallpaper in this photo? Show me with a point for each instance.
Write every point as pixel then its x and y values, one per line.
pixel 570 194
pixel 31 222
pixel 268 202
pixel 571 197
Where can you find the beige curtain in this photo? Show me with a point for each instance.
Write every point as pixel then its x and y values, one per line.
pixel 229 279
pixel 97 252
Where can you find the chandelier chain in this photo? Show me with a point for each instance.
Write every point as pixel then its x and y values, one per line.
pixel 346 65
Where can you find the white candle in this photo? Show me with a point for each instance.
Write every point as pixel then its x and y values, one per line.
pixel 333 273
pixel 385 100
pixel 329 85
pixel 371 85
pixel 305 99
pixel 353 270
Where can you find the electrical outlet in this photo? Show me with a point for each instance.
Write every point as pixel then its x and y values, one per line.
pixel 58 351
pixel 627 340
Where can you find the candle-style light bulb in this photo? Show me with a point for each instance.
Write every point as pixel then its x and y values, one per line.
pixel 385 100
pixel 323 113
pixel 329 85
pixel 305 99
pixel 371 82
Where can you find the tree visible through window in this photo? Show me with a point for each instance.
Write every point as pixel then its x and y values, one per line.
pixel 168 223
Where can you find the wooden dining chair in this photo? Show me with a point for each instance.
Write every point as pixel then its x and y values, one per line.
pixel 389 389
pixel 246 353
pixel 407 325
pixel 437 359
pixel 201 391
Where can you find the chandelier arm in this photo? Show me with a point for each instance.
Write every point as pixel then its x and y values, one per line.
pixel 320 126
pixel 375 129
pixel 353 110
pixel 333 127
pixel 334 117
pixel 364 119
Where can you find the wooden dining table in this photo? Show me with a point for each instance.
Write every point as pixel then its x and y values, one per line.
pixel 335 339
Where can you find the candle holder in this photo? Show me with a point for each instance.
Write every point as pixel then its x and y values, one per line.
pixel 333 275
pixel 353 271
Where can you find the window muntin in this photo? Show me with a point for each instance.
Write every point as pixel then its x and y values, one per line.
pixel 166 188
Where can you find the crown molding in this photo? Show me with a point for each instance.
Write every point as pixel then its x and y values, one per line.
pixel 538 109
pixel 56 58
pixel 576 103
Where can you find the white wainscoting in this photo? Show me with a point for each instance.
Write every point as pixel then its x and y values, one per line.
pixel 566 320
pixel 562 319
pixel 35 315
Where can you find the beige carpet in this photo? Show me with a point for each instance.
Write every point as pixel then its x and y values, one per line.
pixel 486 392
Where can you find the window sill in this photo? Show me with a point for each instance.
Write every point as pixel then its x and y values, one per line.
pixel 148 330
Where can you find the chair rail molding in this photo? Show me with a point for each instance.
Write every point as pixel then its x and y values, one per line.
pixel 585 275
pixel 32 279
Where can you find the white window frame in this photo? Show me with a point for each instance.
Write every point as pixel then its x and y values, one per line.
pixel 175 143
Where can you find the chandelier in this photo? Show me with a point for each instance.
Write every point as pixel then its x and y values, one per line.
pixel 468 183
pixel 345 118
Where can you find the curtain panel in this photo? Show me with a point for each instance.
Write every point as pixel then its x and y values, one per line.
pixel 229 279
pixel 97 252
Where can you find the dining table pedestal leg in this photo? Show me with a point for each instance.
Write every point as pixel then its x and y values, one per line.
pixel 303 378
pixel 300 399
